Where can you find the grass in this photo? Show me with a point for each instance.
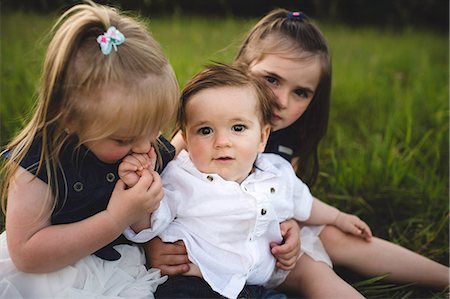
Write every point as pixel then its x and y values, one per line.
pixel 385 157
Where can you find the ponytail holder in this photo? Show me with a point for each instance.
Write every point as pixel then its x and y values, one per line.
pixel 296 15
pixel 111 38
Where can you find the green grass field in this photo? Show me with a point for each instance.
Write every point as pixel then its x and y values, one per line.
pixel 386 154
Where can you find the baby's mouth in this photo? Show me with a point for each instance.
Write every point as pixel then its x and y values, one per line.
pixel 223 158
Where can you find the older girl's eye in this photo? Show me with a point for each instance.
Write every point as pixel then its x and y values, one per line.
pixel 204 131
pixel 238 128
pixel 271 80
pixel 301 93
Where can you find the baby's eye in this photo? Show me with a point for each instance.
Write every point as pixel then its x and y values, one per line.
pixel 204 131
pixel 239 128
pixel 271 80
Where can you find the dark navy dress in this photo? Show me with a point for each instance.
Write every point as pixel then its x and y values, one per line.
pixel 281 143
pixel 86 185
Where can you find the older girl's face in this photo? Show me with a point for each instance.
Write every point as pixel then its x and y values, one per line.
pixel 293 81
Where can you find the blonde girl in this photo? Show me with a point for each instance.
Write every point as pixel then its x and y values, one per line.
pixel 292 55
pixel 107 90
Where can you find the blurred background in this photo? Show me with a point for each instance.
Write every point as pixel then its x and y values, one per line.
pixel 396 13
pixel 385 157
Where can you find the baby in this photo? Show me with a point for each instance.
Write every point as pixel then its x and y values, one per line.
pixel 224 197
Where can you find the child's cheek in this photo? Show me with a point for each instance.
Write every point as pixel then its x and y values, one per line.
pixel 114 155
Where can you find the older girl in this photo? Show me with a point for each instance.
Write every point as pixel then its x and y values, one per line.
pixel 292 55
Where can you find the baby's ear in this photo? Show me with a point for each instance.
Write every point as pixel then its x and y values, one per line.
pixel 265 132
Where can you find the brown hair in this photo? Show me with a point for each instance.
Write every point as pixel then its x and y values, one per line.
pixel 280 34
pixel 222 75
pixel 76 75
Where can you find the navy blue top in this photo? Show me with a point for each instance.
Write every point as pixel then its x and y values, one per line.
pixel 282 143
pixel 86 185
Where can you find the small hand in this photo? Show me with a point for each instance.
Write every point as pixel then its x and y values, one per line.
pixel 287 253
pixel 129 206
pixel 170 258
pixel 354 225
pixel 130 169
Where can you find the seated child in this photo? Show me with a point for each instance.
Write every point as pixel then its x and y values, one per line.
pixel 224 197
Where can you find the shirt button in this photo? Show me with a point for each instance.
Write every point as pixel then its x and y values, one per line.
pixel 272 190
pixel 263 212
pixel 210 178
pixel 78 186
pixel 110 177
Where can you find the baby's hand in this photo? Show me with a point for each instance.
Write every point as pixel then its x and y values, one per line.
pixel 287 253
pixel 130 169
pixel 352 224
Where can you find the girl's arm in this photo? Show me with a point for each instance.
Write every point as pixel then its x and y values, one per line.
pixel 321 213
pixel 178 142
pixel 37 246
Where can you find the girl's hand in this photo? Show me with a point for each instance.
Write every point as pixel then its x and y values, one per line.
pixel 287 253
pixel 130 169
pixel 353 225
pixel 128 206
pixel 170 258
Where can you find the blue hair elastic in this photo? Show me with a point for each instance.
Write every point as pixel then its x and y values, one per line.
pixel 110 39
pixel 296 15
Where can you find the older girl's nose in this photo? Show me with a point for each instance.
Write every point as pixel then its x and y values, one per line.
pixel 282 98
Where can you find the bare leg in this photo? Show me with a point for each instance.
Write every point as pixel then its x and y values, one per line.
pixel 316 280
pixel 379 257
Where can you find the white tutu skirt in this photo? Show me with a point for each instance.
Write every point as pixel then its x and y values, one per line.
pixel 312 245
pixel 90 277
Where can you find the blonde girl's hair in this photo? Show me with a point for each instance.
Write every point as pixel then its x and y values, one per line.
pixel 92 93
pixel 278 33
pixel 222 75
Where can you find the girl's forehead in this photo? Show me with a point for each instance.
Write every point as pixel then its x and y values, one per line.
pixel 285 63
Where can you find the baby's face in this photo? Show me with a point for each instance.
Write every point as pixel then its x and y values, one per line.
pixel 223 131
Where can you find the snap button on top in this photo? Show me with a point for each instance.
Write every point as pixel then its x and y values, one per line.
pixel 263 212
pixel 110 177
pixel 272 190
pixel 210 178
pixel 78 186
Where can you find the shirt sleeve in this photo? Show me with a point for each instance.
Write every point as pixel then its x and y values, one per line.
pixel 302 200
pixel 159 221
pixel 31 159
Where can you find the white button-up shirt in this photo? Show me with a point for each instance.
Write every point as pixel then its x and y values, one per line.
pixel 227 227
